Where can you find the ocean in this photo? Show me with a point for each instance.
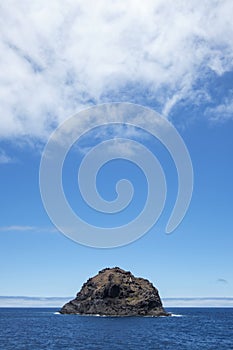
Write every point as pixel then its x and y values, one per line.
pixel 43 328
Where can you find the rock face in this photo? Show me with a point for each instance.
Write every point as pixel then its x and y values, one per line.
pixel 115 292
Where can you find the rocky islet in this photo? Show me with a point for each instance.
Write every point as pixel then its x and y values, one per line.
pixel 115 292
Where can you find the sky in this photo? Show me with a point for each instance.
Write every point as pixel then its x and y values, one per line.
pixel 58 59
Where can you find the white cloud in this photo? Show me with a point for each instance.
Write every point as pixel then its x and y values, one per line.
pixel 21 301
pixel 58 57
pixel 17 228
pixel 198 302
pixel 4 158
pixel 21 228
pixel 222 112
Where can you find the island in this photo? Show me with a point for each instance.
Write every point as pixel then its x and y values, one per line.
pixel 115 292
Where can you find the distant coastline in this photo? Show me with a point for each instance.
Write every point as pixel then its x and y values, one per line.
pixel 25 301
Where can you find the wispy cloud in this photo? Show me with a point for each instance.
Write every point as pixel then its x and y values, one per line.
pixel 198 302
pixel 5 159
pixel 222 280
pixel 22 301
pixel 19 228
pixel 222 112
pixel 58 58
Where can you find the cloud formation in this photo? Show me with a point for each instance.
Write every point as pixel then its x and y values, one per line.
pixel 21 228
pixel 198 302
pixel 222 280
pixel 58 57
pixel 22 301
pixel 5 158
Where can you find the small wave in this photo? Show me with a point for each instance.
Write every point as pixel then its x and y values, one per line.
pixel 176 315
pixel 57 313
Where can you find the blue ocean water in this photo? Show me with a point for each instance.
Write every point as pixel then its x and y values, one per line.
pixel 191 328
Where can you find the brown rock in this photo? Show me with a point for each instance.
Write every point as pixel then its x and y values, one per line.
pixel 115 292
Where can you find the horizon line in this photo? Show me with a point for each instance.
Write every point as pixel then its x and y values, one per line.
pixel 57 302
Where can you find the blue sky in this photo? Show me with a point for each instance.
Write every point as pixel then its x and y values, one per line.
pixel 183 69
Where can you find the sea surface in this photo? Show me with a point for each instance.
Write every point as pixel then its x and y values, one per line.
pixel 43 328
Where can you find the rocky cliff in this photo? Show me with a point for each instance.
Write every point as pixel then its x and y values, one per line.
pixel 115 292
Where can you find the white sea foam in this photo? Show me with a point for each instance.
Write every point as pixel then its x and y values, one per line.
pixel 175 315
pixel 98 315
